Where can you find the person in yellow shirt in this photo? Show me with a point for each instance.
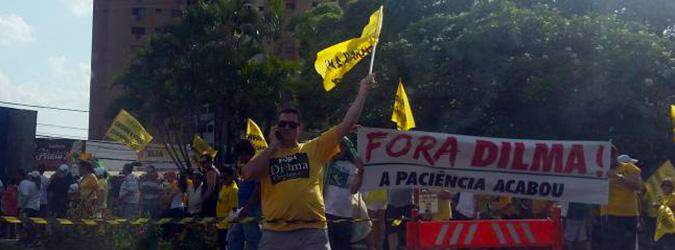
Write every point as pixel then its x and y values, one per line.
pixel 88 192
pixel 226 205
pixel 622 209
pixel 667 241
pixel 291 174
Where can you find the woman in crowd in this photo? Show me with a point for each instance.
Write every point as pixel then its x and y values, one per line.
pixel 29 195
pixel 344 176
pixel 151 188
pixel 194 194
pixel 58 191
pixel 227 205
pixel 88 192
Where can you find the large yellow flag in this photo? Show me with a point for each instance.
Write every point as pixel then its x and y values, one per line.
pixel 127 130
pixel 335 61
pixel 255 135
pixel 665 222
pixel 672 119
pixel 653 185
pixel 402 115
pixel 201 147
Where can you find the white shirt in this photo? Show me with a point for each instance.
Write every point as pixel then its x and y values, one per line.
pixel 129 185
pixel 466 205
pixel 29 195
pixel 337 196
pixel 43 189
pixel 194 199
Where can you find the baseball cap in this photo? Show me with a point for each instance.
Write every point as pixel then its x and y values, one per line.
pixel 625 159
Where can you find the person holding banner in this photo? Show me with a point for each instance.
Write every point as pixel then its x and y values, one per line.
pixel 623 209
pixel 290 174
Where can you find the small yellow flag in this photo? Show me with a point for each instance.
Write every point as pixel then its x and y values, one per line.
pixel 672 119
pixel 255 135
pixel 127 130
pixel 665 222
pixel 402 115
pixel 335 61
pixel 653 185
pixel 201 147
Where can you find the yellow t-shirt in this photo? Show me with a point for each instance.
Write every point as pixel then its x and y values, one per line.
pixel 227 200
pixel 291 187
pixel 89 188
pixel 668 200
pixel 622 200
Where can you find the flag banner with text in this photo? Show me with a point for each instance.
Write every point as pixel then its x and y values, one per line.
pixel 574 171
pixel 127 130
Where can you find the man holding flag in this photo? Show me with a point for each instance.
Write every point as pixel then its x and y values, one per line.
pixel 290 173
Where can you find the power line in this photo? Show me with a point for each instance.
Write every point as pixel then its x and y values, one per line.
pixel 43 107
pixel 58 136
pixel 60 126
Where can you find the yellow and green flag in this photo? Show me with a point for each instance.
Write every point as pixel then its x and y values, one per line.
pixel 255 135
pixel 201 147
pixel 672 119
pixel 127 130
pixel 402 115
pixel 653 184
pixel 335 61
pixel 665 222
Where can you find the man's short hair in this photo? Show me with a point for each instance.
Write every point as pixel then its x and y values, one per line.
pixel 288 109
pixel 244 147
pixel 128 167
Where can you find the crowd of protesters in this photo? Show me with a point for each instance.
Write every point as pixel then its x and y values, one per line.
pixel 308 195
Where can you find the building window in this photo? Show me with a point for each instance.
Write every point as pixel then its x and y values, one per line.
pixel 176 13
pixel 315 3
pixel 261 8
pixel 139 13
pixel 158 11
pixel 138 32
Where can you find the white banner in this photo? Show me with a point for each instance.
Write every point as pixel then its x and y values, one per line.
pixel 551 170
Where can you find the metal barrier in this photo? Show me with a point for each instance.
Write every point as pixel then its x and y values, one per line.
pixel 486 233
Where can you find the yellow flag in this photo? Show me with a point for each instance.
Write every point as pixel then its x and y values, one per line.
pixel 665 222
pixel 335 61
pixel 201 147
pixel 402 115
pixel 672 119
pixel 653 185
pixel 255 135
pixel 127 130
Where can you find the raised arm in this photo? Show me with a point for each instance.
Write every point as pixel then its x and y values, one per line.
pixel 358 176
pixel 354 112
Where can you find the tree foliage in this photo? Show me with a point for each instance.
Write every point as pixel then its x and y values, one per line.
pixel 568 70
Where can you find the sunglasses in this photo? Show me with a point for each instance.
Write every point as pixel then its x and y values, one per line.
pixel 285 124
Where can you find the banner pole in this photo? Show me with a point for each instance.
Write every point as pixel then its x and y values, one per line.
pixel 379 29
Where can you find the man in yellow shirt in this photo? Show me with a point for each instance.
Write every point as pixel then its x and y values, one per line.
pixel 291 174
pixel 622 210
pixel 227 204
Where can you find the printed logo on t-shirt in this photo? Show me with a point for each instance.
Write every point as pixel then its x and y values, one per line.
pixel 289 167
pixel 337 174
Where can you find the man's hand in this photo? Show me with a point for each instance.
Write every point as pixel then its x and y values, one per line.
pixel 274 140
pixel 368 82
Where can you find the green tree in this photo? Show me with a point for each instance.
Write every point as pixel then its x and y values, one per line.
pixel 213 58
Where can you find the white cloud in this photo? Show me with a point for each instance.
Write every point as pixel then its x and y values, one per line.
pixel 79 7
pixel 66 85
pixel 13 29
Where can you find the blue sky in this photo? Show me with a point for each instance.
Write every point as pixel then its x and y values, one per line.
pixel 45 55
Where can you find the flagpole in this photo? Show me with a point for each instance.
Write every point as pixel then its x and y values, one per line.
pixel 379 29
